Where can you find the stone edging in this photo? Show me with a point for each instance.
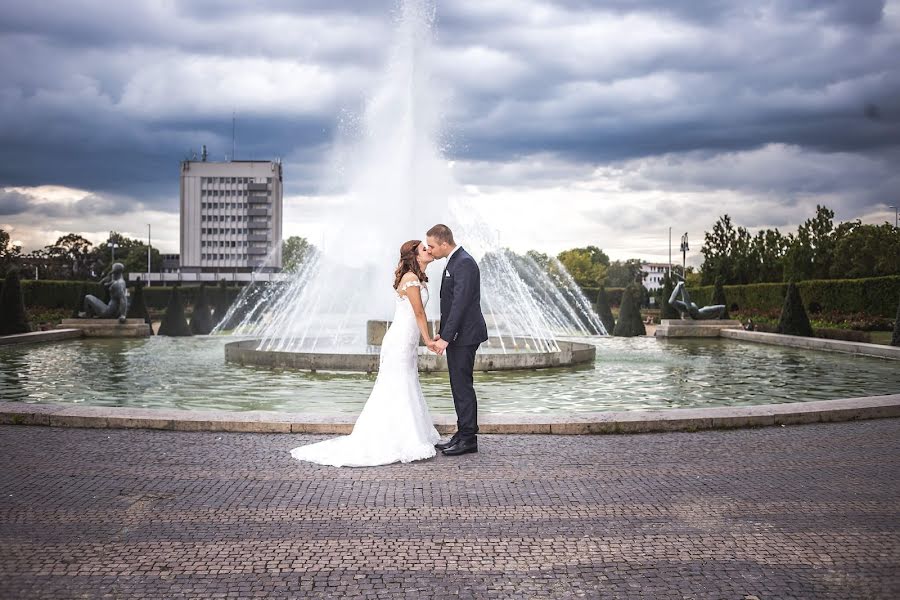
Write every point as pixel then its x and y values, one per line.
pixel 685 419
pixel 52 335
pixel 811 343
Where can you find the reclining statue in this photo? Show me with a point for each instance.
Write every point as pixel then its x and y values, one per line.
pixel 690 310
pixel 118 300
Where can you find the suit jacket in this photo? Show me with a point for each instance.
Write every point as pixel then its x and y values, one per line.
pixel 462 323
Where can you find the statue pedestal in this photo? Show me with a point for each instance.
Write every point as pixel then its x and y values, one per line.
pixel 681 328
pixel 107 327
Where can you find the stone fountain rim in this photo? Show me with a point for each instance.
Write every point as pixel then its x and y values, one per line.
pixel 243 352
pixel 618 422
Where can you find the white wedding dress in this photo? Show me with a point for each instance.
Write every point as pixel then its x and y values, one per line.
pixel 394 424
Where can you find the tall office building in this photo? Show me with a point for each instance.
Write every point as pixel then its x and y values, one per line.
pixel 231 215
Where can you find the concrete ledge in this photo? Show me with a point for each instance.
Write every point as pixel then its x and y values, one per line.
pixel 244 352
pixel 53 335
pixel 813 343
pixel 686 419
pixel 691 328
pixel 108 327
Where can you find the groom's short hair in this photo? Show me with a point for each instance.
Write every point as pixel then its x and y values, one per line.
pixel 441 233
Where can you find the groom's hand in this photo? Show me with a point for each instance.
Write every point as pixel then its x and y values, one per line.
pixel 440 345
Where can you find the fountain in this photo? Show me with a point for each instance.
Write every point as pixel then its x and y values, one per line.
pixel 398 184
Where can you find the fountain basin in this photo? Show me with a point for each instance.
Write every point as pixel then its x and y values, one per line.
pixel 245 353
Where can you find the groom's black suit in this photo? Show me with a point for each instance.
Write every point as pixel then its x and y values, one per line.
pixel 464 329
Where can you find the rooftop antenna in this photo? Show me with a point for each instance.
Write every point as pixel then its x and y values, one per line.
pixel 232 134
pixel 203 153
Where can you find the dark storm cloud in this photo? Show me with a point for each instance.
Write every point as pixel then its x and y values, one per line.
pixel 108 97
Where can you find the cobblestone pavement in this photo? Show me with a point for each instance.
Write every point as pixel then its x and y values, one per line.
pixel 810 511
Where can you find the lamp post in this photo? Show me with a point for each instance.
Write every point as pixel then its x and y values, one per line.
pixel 896 209
pixel 684 249
pixel 148 254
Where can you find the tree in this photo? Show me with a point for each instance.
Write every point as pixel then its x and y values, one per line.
pixel 71 253
pixel 867 251
pixel 719 296
pixel 100 258
pixel 604 311
pixel 12 306
pixel 9 253
pixel 667 311
pixel 135 260
pixel 794 320
pixel 295 251
pixel 584 265
pixel 201 319
pixel 174 322
pixel 624 273
pixel 630 323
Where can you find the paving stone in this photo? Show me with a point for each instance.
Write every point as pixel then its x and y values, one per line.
pixel 810 511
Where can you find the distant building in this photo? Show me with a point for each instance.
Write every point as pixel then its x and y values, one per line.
pixel 171 263
pixel 231 216
pixel 653 274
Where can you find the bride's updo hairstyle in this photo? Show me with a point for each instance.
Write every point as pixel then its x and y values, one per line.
pixel 408 262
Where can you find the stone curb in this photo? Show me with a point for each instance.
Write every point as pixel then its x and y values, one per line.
pixel 809 343
pixel 52 335
pixel 684 419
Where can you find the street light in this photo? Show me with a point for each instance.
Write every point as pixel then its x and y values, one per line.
pixel 895 215
pixel 684 249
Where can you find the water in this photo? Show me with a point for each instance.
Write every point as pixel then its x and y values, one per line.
pixel 629 374
pixel 394 183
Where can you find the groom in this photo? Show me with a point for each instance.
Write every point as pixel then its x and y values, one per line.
pixel 462 330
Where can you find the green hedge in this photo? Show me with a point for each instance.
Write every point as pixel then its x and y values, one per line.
pixel 874 295
pixel 613 295
pixel 65 294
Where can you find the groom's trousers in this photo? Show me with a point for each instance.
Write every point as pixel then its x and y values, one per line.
pixel 461 364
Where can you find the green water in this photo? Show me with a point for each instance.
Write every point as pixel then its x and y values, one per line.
pixel 629 374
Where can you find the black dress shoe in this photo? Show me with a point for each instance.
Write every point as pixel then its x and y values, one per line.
pixel 444 445
pixel 461 447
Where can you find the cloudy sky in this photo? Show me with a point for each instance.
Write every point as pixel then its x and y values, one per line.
pixel 570 123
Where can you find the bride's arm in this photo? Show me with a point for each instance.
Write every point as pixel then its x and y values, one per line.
pixel 414 294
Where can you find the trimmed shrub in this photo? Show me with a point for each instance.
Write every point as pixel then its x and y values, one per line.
pixel 12 306
pixel 78 307
pixel 222 302
pixel 604 311
pixel 137 307
pixel 719 296
pixel 895 337
pixel 174 322
pixel 874 295
pixel 201 319
pixel 630 323
pixel 794 320
pixel 667 311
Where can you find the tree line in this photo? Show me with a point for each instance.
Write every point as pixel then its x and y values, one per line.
pixel 820 249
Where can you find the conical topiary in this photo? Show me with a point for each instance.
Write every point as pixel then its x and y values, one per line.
pixel 201 320
pixel 794 320
pixel 667 311
pixel 79 305
pixel 604 311
pixel 173 322
pixel 719 296
pixel 630 323
pixel 222 303
pixel 137 306
pixel 12 306
pixel 895 338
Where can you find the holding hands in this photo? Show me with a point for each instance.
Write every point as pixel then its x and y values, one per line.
pixel 437 345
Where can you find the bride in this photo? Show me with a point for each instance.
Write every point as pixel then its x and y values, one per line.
pixel 395 424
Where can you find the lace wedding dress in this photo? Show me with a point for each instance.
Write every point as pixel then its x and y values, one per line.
pixel 394 424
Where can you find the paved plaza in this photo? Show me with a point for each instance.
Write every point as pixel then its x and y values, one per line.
pixel 810 511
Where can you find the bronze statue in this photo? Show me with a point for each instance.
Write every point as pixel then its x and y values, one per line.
pixel 690 310
pixel 118 300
